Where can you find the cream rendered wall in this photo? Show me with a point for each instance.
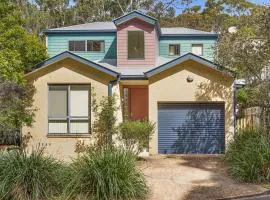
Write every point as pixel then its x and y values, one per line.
pixel 208 85
pixel 65 72
pixel 116 90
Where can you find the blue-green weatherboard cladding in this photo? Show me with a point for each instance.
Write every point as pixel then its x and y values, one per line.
pixel 58 43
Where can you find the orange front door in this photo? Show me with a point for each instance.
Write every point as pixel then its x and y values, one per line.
pixel 138 103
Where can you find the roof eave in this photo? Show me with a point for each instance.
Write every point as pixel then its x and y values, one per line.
pixel 133 77
pixel 80 31
pixel 67 54
pixel 133 14
pixel 190 35
pixel 181 59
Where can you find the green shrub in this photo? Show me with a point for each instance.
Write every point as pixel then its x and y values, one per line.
pixel 104 125
pixel 248 156
pixel 107 175
pixel 135 135
pixel 29 177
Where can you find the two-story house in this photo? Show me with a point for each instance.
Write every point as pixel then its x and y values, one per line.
pixel 166 75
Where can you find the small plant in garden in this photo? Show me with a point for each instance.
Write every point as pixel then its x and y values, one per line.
pixel 248 156
pixel 105 172
pixel 104 125
pixel 30 177
pixel 107 175
pixel 135 135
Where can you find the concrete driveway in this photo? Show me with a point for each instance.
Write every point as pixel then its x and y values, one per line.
pixel 192 178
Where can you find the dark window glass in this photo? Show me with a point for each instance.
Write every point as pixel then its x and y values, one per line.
pixel 95 45
pixel 135 44
pixel 174 49
pixel 76 45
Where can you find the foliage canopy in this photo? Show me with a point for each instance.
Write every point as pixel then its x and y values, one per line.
pixel 19 52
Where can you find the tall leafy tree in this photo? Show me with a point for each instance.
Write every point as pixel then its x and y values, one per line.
pixel 105 10
pixel 43 14
pixel 247 52
pixel 19 52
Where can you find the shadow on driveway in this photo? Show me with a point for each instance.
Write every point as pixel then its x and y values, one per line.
pixel 192 178
pixel 220 184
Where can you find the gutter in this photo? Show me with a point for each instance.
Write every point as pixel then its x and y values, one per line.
pixel 190 35
pixel 134 77
pixel 46 32
pixel 112 83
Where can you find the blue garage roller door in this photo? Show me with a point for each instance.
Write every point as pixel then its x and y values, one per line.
pixel 191 128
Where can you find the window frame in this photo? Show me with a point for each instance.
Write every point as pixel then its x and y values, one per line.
pixel 85 45
pixel 69 118
pixel 142 58
pixel 102 51
pixel 198 45
pixel 174 44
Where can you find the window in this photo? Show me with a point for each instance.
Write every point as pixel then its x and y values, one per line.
pixel 135 44
pixel 174 49
pixel 89 45
pixel 95 45
pixel 78 45
pixel 197 49
pixel 69 109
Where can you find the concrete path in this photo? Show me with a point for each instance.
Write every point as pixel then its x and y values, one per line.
pixel 192 178
pixel 264 197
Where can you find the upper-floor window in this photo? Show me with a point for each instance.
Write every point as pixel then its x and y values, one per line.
pixel 95 45
pixel 197 49
pixel 86 45
pixel 78 45
pixel 174 49
pixel 135 44
pixel 68 109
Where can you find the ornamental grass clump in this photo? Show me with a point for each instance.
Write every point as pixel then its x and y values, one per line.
pixel 248 156
pixel 30 177
pixel 109 174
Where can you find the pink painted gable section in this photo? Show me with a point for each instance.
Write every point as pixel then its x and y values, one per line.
pixel 149 42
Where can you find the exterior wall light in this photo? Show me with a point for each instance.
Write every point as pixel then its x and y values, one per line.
pixel 189 79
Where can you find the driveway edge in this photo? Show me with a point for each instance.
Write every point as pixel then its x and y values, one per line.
pixel 247 196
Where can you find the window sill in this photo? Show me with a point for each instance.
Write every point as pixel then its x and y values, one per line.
pixel 68 135
pixel 174 56
pixel 136 58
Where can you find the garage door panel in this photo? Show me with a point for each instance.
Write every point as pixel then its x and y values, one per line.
pixel 191 128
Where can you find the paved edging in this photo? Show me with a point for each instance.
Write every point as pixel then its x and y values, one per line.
pixel 247 196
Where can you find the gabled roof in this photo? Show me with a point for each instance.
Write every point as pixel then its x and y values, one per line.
pixel 105 27
pixel 138 15
pixel 134 14
pixel 67 54
pixel 181 59
pixel 110 68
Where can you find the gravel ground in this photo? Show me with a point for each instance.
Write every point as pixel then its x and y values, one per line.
pixel 192 178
